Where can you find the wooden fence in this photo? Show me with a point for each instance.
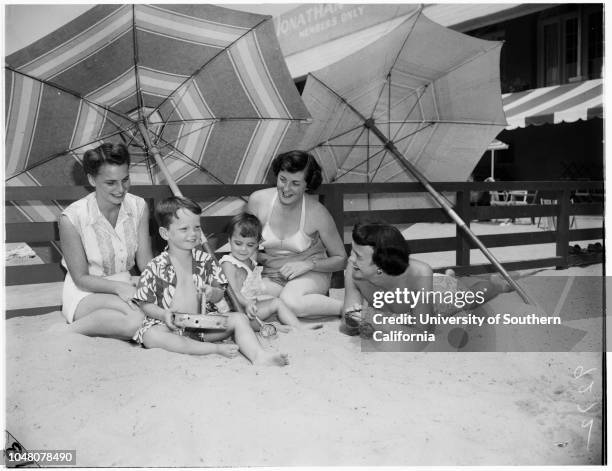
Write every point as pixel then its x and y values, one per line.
pixel 43 236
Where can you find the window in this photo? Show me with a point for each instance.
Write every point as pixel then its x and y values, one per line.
pixel 570 46
pixel 595 39
pixel 560 50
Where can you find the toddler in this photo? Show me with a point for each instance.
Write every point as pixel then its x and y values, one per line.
pixel 244 274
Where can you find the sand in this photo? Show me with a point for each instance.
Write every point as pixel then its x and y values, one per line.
pixel 120 405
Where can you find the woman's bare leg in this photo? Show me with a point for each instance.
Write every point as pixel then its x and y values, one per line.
pixel 305 296
pixel 285 315
pixel 106 315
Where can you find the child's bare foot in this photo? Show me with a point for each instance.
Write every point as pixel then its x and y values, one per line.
pixel 272 359
pixel 228 350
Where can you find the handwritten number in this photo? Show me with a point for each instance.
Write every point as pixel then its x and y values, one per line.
pixel 587 409
pixel 588 423
pixel 588 388
pixel 579 371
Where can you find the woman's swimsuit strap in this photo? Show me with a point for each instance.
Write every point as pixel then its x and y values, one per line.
pixel 297 242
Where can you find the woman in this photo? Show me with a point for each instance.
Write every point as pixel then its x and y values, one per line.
pixel 380 263
pixel 103 235
pixel 302 247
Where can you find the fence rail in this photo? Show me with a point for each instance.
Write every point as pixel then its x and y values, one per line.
pixel 562 194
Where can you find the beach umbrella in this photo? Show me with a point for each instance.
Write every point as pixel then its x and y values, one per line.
pixel 206 86
pixel 422 103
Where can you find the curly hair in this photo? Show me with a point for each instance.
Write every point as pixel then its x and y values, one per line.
pixel 391 253
pixel 107 153
pixel 297 161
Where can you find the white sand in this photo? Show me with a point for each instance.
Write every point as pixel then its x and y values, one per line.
pixel 120 405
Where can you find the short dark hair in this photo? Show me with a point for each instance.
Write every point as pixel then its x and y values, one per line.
pixel 107 153
pixel 391 253
pixel 166 210
pixel 248 225
pixel 296 161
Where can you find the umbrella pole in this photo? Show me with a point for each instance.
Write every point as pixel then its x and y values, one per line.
pixel 177 192
pixel 445 204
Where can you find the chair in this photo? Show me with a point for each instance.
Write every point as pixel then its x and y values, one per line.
pixel 552 220
pixel 499 198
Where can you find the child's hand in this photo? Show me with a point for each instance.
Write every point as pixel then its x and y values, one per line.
pixel 169 319
pixel 208 291
pixel 213 294
pixel 134 280
pixel 126 292
pixel 251 310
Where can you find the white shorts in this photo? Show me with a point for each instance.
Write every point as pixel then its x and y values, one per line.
pixel 72 295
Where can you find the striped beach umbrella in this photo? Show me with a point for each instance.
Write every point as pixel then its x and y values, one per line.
pixel 207 84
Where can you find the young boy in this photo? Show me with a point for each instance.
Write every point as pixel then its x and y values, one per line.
pixel 171 283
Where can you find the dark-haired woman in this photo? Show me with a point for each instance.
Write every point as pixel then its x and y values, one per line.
pixel 302 247
pixel 103 236
pixel 380 262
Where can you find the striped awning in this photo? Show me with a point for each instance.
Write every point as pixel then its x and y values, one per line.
pixel 556 104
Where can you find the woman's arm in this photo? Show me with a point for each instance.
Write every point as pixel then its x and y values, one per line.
pixel 352 296
pixel 144 253
pixel 254 203
pixel 76 261
pixel 336 255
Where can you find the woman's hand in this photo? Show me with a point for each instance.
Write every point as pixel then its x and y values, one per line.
pixel 126 292
pixel 251 310
pixel 292 270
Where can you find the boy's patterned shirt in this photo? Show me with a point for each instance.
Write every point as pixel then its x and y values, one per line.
pixel 157 283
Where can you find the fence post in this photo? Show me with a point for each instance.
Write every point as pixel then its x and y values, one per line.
pixel 563 226
pixel 333 199
pixel 463 209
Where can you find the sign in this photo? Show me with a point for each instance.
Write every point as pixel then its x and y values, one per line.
pixel 312 24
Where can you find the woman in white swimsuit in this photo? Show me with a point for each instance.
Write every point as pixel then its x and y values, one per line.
pixel 103 236
pixel 302 247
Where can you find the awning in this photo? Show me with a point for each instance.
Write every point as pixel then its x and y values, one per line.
pixel 556 104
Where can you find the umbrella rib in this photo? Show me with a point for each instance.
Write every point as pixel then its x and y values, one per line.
pixel 418 13
pixel 379 164
pixel 58 154
pixel 189 160
pixel 340 97
pixel 250 118
pixel 344 133
pixel 172 143
pixel 445 121
pixel 139 99
pixel 70 92
pixel 417 101
pixel 359 164
pixel 197 72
